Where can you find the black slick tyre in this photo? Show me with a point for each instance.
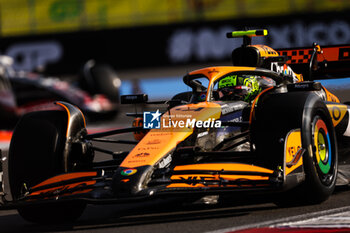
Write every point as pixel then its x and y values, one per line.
pixel 321 157
pixel 277 115
pixel 36 154
pixel 100 79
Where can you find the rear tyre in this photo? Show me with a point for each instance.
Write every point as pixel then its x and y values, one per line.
pixel 100 79
pixel 36 153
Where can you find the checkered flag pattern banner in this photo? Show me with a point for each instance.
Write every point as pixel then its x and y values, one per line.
pixel 297 56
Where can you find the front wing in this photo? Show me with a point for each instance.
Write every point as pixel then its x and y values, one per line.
pixel 200 179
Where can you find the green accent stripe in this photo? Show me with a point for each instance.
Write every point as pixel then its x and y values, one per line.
pixel 250 33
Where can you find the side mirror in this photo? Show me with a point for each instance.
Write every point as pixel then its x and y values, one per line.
pixel 134 99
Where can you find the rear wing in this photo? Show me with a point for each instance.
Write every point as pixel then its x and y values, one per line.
pixel 330 61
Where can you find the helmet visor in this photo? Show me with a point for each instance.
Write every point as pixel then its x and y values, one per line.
pixel 234 93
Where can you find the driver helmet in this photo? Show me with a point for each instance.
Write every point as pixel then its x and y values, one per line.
pixel 238 87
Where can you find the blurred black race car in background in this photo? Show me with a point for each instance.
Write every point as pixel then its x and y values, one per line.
pixel 97 92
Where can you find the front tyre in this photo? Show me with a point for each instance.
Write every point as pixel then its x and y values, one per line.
pixel 36 154
pixel 321 157
pixel 277 115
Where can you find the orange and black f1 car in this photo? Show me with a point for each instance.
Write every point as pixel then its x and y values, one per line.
pixel 288 137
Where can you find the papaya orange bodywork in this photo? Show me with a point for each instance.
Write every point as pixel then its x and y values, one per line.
pixel 159 142
pixel 66 187
pixel 185 180
pixel 64 177
pixel 214 73
pixel 330 97
pixel 265 51
pixel 337 112
pixel 292 145
pixel 223 166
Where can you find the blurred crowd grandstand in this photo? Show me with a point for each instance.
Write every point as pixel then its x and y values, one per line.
pixel 139 37
pixel 30 17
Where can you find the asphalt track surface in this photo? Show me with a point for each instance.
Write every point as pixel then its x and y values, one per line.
pixel 175 216
pixel 158 216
